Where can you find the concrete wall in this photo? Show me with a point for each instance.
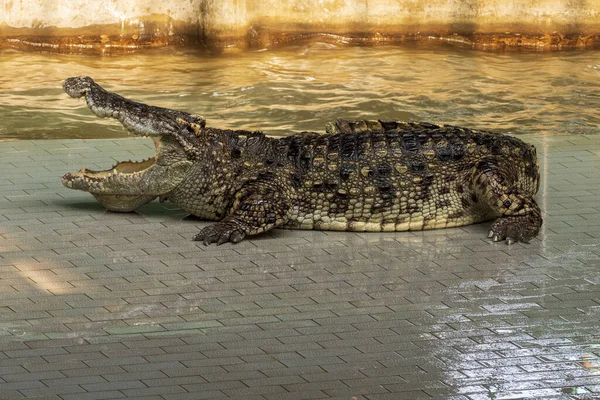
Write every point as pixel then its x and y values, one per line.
pixel 69 25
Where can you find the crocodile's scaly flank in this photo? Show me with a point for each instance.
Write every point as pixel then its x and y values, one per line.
pixel 359 176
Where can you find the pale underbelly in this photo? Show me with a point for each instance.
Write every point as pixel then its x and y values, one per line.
pixel 397 223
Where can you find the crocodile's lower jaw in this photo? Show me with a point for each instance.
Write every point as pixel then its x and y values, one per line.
pixel 110 186
pixel 104 182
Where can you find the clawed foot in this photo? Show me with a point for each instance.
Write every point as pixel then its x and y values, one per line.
pixel 220 233
pixel 514 229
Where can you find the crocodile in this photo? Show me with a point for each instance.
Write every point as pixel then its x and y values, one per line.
pixel 365 175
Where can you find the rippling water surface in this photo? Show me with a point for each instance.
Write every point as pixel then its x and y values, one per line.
pixel 301 88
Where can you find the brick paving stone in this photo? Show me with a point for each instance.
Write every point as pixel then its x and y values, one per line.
pixel 96 305
pixel 48 391
pixel 207 394
pixel 104 395
pixel 305 395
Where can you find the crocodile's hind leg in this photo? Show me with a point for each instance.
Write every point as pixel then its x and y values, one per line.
pixel 260 205
pixel 138 118
pixel 520 218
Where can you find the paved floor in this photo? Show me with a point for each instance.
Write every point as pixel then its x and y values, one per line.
pixel 95 305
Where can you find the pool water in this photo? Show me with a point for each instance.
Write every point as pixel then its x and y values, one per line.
pixel 301 88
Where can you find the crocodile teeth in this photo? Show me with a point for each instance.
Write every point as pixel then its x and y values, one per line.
pixel 114 172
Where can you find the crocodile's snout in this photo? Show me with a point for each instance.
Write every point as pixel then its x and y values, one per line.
pixel 67 180
pixel 77 86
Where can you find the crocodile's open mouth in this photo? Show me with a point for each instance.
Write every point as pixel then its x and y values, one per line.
pixel 116 188
pixel 130 184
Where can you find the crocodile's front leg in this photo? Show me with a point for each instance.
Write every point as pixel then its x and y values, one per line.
pixel 259 206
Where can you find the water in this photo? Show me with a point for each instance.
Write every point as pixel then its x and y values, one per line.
pixel 301 88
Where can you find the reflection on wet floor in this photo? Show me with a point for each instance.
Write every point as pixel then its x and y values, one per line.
pixel 103 305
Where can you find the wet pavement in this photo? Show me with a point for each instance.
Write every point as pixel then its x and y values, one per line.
pixel 96 305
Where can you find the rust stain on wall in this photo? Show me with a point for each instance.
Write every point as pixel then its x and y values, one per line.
pixel 127 35
pixel 226 25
